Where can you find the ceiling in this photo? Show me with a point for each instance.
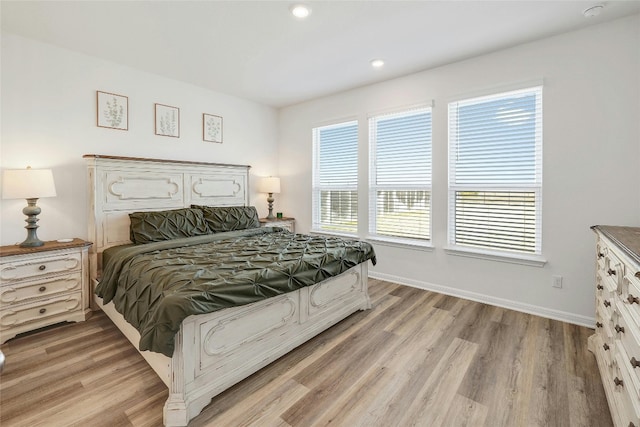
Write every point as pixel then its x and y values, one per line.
pixel 257 50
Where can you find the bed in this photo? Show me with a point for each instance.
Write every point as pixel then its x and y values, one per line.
pixel 210 352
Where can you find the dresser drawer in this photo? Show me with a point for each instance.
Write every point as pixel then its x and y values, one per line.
pixel 626 396
pixel 40 312
pixel 631 300
pixel 14 271
pixel 613 269
pixel 629 352
pixel 605 306
pixel 601 252
pixel 20 292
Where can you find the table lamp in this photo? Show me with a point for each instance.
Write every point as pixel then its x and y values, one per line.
pixel 270 185
pixel 30 184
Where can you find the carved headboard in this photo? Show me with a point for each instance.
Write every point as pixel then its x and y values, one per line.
pixel 121 185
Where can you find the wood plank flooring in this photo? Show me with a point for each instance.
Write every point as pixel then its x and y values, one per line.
pixel 416 359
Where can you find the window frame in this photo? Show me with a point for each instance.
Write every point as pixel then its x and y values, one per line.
pixel 316 188
pixel 373 188
pixel 520 257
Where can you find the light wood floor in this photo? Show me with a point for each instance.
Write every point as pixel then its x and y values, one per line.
pixel 417 358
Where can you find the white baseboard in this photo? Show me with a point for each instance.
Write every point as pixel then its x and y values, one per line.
pixel 563 316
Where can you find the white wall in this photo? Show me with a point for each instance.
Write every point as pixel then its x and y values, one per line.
pixel 49 121
pixel 590 169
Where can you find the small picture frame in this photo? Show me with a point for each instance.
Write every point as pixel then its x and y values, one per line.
pixel 112 110
pixel 211 128
pixel 167 120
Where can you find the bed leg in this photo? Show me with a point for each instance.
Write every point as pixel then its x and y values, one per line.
pixel 175 411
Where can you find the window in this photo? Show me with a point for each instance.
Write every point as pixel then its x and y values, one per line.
pixel 400 174
pixel 335 178
pixel 495 172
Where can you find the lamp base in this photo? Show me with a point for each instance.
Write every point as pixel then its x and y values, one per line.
pixel 31 211
pixel 270 199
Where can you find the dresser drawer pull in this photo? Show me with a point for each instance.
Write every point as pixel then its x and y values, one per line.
pixel 42 267
pixel 618 381
pixel 605 346
pixel 638 274
pixel 631 424
pixel 42 288
pixel 598 325
pixel 599 287
pixel 619 328
pixel 607 303
pixel 611 272
pixel 600 255
pixel 633 299
pixel 634 362
pixel 43 310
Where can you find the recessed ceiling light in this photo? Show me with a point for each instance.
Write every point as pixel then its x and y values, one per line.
pixel 300 10
pixel 593 11
pixel 377 63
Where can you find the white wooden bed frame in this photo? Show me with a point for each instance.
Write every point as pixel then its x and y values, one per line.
pixel 212 351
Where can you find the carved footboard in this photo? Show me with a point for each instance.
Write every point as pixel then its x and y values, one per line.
pixel 215 351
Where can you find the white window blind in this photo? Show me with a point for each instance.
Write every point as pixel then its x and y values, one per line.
pixel 335 178
pixel 400 174
pixel 495 171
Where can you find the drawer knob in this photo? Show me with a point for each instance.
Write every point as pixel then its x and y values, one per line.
pixel 619 328
pixel 631 424
pixel 618 381
pixel 600 255
pixel 42 267
pixel 599 287
pixel 633 299
pixel 43 310
pixel 42 288
pixel 607 303
pixel 605 346
pixel 611 272
pixel 635 363
pixel 598 325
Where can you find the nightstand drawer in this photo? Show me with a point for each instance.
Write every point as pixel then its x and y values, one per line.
pixel 287 223
pixel 20 292
pixel 40 312
pixel 14 271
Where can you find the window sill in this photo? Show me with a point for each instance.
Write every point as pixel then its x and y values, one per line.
pixel 426 246
pixel 522 259
pixel 333 234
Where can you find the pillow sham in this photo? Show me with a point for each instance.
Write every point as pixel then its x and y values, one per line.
pixel 147 227
pixel 229 218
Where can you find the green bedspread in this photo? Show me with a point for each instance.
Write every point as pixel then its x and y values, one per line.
pixel 155 286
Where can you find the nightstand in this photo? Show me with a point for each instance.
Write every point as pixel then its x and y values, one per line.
pixel 285 222
pixel 42 286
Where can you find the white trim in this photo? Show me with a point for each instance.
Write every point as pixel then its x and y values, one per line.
pixel 488 90
pixel 536 310
pixel 513 258
pixel 333 234
pixel 401 109
pixel 416 244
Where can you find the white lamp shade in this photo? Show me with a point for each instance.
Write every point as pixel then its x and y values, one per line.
pixel 269 184
pixel 27 184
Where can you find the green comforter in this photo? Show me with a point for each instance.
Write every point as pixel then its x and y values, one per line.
pixel 155 286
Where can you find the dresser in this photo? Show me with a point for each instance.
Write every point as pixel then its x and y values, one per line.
pixel 616 342
pixel 287 223
pixel 42 286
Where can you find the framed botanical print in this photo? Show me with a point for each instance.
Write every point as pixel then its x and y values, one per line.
pixel 112 110
pixel 211 128
pixel 167 120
